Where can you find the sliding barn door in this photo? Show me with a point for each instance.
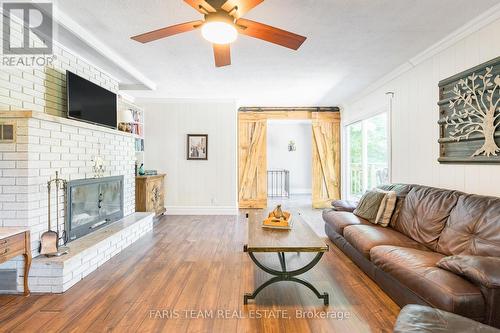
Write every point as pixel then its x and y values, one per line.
pixel 252 165
pixel 326 158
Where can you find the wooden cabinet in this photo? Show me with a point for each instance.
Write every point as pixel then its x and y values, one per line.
pixel 15 242
pixel 150 194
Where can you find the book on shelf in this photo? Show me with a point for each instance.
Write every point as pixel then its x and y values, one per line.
pixel 139 144
pixel 136 129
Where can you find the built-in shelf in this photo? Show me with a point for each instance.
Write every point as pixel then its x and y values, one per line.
pixel 131 118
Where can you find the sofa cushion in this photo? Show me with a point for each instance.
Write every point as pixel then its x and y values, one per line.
pixel 417 270
pixel 418 318
pixel 473 227
pixel 339 220
pixel 364 237
pixel 424 214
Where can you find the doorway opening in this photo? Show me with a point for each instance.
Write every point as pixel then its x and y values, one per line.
pixel 253 155
pixel 289 162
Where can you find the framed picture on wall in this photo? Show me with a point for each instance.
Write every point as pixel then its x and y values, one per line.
pixel 197 147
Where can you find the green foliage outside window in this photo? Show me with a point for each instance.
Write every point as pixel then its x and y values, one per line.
pixel 374 147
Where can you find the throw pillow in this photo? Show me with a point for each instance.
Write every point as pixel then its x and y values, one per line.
pixel 402 191
pixel 344 206
pixel 481 270
pixel 369 205
pixel 386 208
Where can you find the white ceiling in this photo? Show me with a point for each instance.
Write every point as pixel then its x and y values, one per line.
pixel 351 44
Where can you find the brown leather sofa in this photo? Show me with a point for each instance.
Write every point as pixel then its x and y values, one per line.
pixel 428 225
pixel 420 319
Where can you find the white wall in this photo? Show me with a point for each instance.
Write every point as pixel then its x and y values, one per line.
pixel 415 112
pixel 43 89
pixel 298 162
pixel 193 187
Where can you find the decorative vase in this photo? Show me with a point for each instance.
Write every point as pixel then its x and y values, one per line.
pixel 141 171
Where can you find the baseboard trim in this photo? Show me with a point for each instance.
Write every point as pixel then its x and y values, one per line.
pixel 206 210
pixel 301 191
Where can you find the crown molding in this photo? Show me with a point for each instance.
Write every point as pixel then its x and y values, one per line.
pixel 66 48
pixel 476 24
pixel 93 42
pixel 64 20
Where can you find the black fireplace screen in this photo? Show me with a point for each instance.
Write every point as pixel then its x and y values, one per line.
pixel 92 204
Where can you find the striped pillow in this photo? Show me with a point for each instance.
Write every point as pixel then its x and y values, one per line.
pixel 369 205
pixel 386 208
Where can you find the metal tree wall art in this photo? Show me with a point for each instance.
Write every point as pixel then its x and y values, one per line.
pixel 470 115
pixel 483 113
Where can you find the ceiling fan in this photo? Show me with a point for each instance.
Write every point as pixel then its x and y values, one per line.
pixel 221 26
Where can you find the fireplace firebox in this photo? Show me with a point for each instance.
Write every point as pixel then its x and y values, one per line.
pixel 92 204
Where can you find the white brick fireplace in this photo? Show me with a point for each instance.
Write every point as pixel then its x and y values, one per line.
pixel 35 100
pixel 46 144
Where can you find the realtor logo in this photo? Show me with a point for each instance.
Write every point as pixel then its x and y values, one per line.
pixel 35 24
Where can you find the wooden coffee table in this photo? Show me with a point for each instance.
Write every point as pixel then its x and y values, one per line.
pixel 300 239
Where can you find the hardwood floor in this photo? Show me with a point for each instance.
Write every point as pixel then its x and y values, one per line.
pixel 189 275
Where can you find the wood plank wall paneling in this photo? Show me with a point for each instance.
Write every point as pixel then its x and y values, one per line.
pixel 415 130
pixel 194 186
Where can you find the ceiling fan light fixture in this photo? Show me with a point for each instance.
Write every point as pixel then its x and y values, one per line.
pixel 219 32
pixel 222 24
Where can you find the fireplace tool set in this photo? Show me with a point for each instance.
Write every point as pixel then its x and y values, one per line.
pixel 49 245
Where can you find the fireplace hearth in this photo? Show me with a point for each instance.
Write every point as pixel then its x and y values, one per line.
pixel 92 204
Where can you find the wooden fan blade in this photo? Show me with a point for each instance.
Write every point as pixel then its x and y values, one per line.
pixel 222 54
pixel 168 31
pixel 243 6
pixel 270 34
pixel 201 5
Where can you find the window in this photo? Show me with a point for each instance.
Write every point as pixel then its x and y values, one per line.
pixel 368 155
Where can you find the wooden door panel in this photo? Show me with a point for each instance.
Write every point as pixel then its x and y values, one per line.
pixel 326 158
pixel 252 163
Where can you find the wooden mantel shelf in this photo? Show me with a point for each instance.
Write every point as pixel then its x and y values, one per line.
pixel 17 114
pixel 29 114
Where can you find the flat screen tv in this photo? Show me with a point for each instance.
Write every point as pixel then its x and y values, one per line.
pixel 89 102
